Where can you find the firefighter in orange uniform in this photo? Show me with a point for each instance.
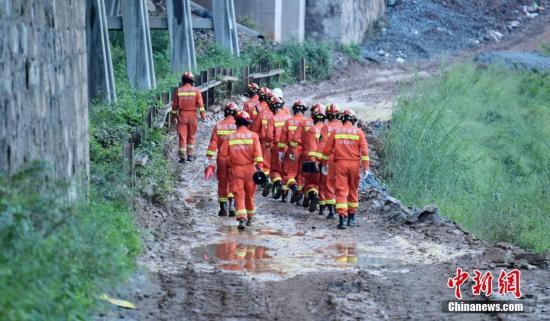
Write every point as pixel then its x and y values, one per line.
pixel 309 133
pixel 220 133
pixel 245 158
pixel 265 139
pixel 265 96
pixel 293 153
pixel 251 106
pixel 327 197
pixel 350 152
pixel 187 100
pixel 275 133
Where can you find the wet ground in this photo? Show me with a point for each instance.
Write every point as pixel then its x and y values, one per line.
pixel 295 265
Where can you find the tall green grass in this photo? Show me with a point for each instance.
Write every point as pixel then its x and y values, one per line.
pixel 477 143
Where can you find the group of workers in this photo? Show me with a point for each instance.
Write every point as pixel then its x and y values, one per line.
pixel 314 161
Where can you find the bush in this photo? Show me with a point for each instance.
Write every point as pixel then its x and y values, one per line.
pixel 57 258
pixel 476 143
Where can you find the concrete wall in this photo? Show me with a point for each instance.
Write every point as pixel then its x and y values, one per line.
pixel 293 20
pixel 43 90
pixel 345 21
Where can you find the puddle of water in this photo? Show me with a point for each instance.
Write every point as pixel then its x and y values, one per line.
pixel 266 251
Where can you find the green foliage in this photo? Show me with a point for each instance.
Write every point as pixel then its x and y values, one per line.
pixel 545 48
pixel 476 142
pixel 248 22
pixel 353 51
pixel 57 258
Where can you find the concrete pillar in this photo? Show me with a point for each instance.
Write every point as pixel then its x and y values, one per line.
pixel 225 25
pixel 267 14
pixel 137 44
pixel 112 7
pixel 101 79
pixel 180 27
pixel 293 16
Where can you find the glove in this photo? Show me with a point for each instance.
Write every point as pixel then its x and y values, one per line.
pixel 324 169
pixel 258 167
pixel 291 156
pixel 173 112
pixel 281 156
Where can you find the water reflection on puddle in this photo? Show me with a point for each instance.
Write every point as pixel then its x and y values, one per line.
pixel 275 252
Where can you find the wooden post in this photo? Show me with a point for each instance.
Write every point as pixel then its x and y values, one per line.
pixel 128 154
pixel 302 74
pixel 230 83
pixel 211 76
pixel 245 77
pixel 204 79
pixel 165 98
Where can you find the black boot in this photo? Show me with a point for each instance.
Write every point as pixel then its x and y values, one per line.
pixel 182 160
pixel 322 209
pixel 294 197
pixel 331 213
pixel 189 158
pixel 313 201
pixel 277 190
pixel 299 198
pixel 284 196
pixel 351 220
pixel 267 188
pixel 242 225
pixel 232 211
pixel 249 221
pixel 223 209
pixel 341 225
pixel 305 202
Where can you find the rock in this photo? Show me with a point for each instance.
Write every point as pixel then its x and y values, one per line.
pixel 532 258
pixel 516 60
pixel 400 60
pixel 497 255
pixel 504 245
pixel 495 35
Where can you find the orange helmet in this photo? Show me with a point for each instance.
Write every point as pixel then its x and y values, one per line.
pixel 253 89
pixel 265 94
pixel 230 109
pixel 243 118
pixel 349 115
pixel 188 76
pixel 332 111
pixel 299 106
pixel 275 103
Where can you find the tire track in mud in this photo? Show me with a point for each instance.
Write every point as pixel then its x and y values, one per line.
pixel 308 270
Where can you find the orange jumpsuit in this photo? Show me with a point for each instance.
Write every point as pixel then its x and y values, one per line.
pixel 275 133
pixel 290 167
pixel 326 182
pixel 220 133
pixel 245 153
pixel 309 136
pixel 187 99
pixel 265 140
pixel 303 128
pixel 256 116
pixel 253 108
pixel 349 148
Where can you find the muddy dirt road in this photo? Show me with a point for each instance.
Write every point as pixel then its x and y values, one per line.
pixel 294 265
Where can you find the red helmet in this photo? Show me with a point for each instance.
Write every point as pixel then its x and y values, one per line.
pixel 275 103
pixel 317 112
pixel 332 111
pixel 253 89
pixel 230 109
pixel 265 94
pixel 348 115
pixel 299 105
pixel 243 118
pixel 188 76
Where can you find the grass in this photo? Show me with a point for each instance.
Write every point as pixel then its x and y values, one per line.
pixel 56 257
pixel 476 142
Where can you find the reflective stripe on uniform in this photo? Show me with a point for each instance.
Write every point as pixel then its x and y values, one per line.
pixel 259 159
pixel 322 203
pixel 201 109
pixel 279 123
pixel 292 127
pixel 241 212
pixel 210 153
pixel 353 205
pixel 281 145
pixel 341 205
pixel 230 195
pixel 315 154
pixel 222 199
pixel 330 202
pixel 187 93
pixel 365 158
pixel 346 136
pixel 251 212
pixel 241 142
pixel 293 144
pixel 312 190
pixel 264 121
pixel 225 132
pixel 323 157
